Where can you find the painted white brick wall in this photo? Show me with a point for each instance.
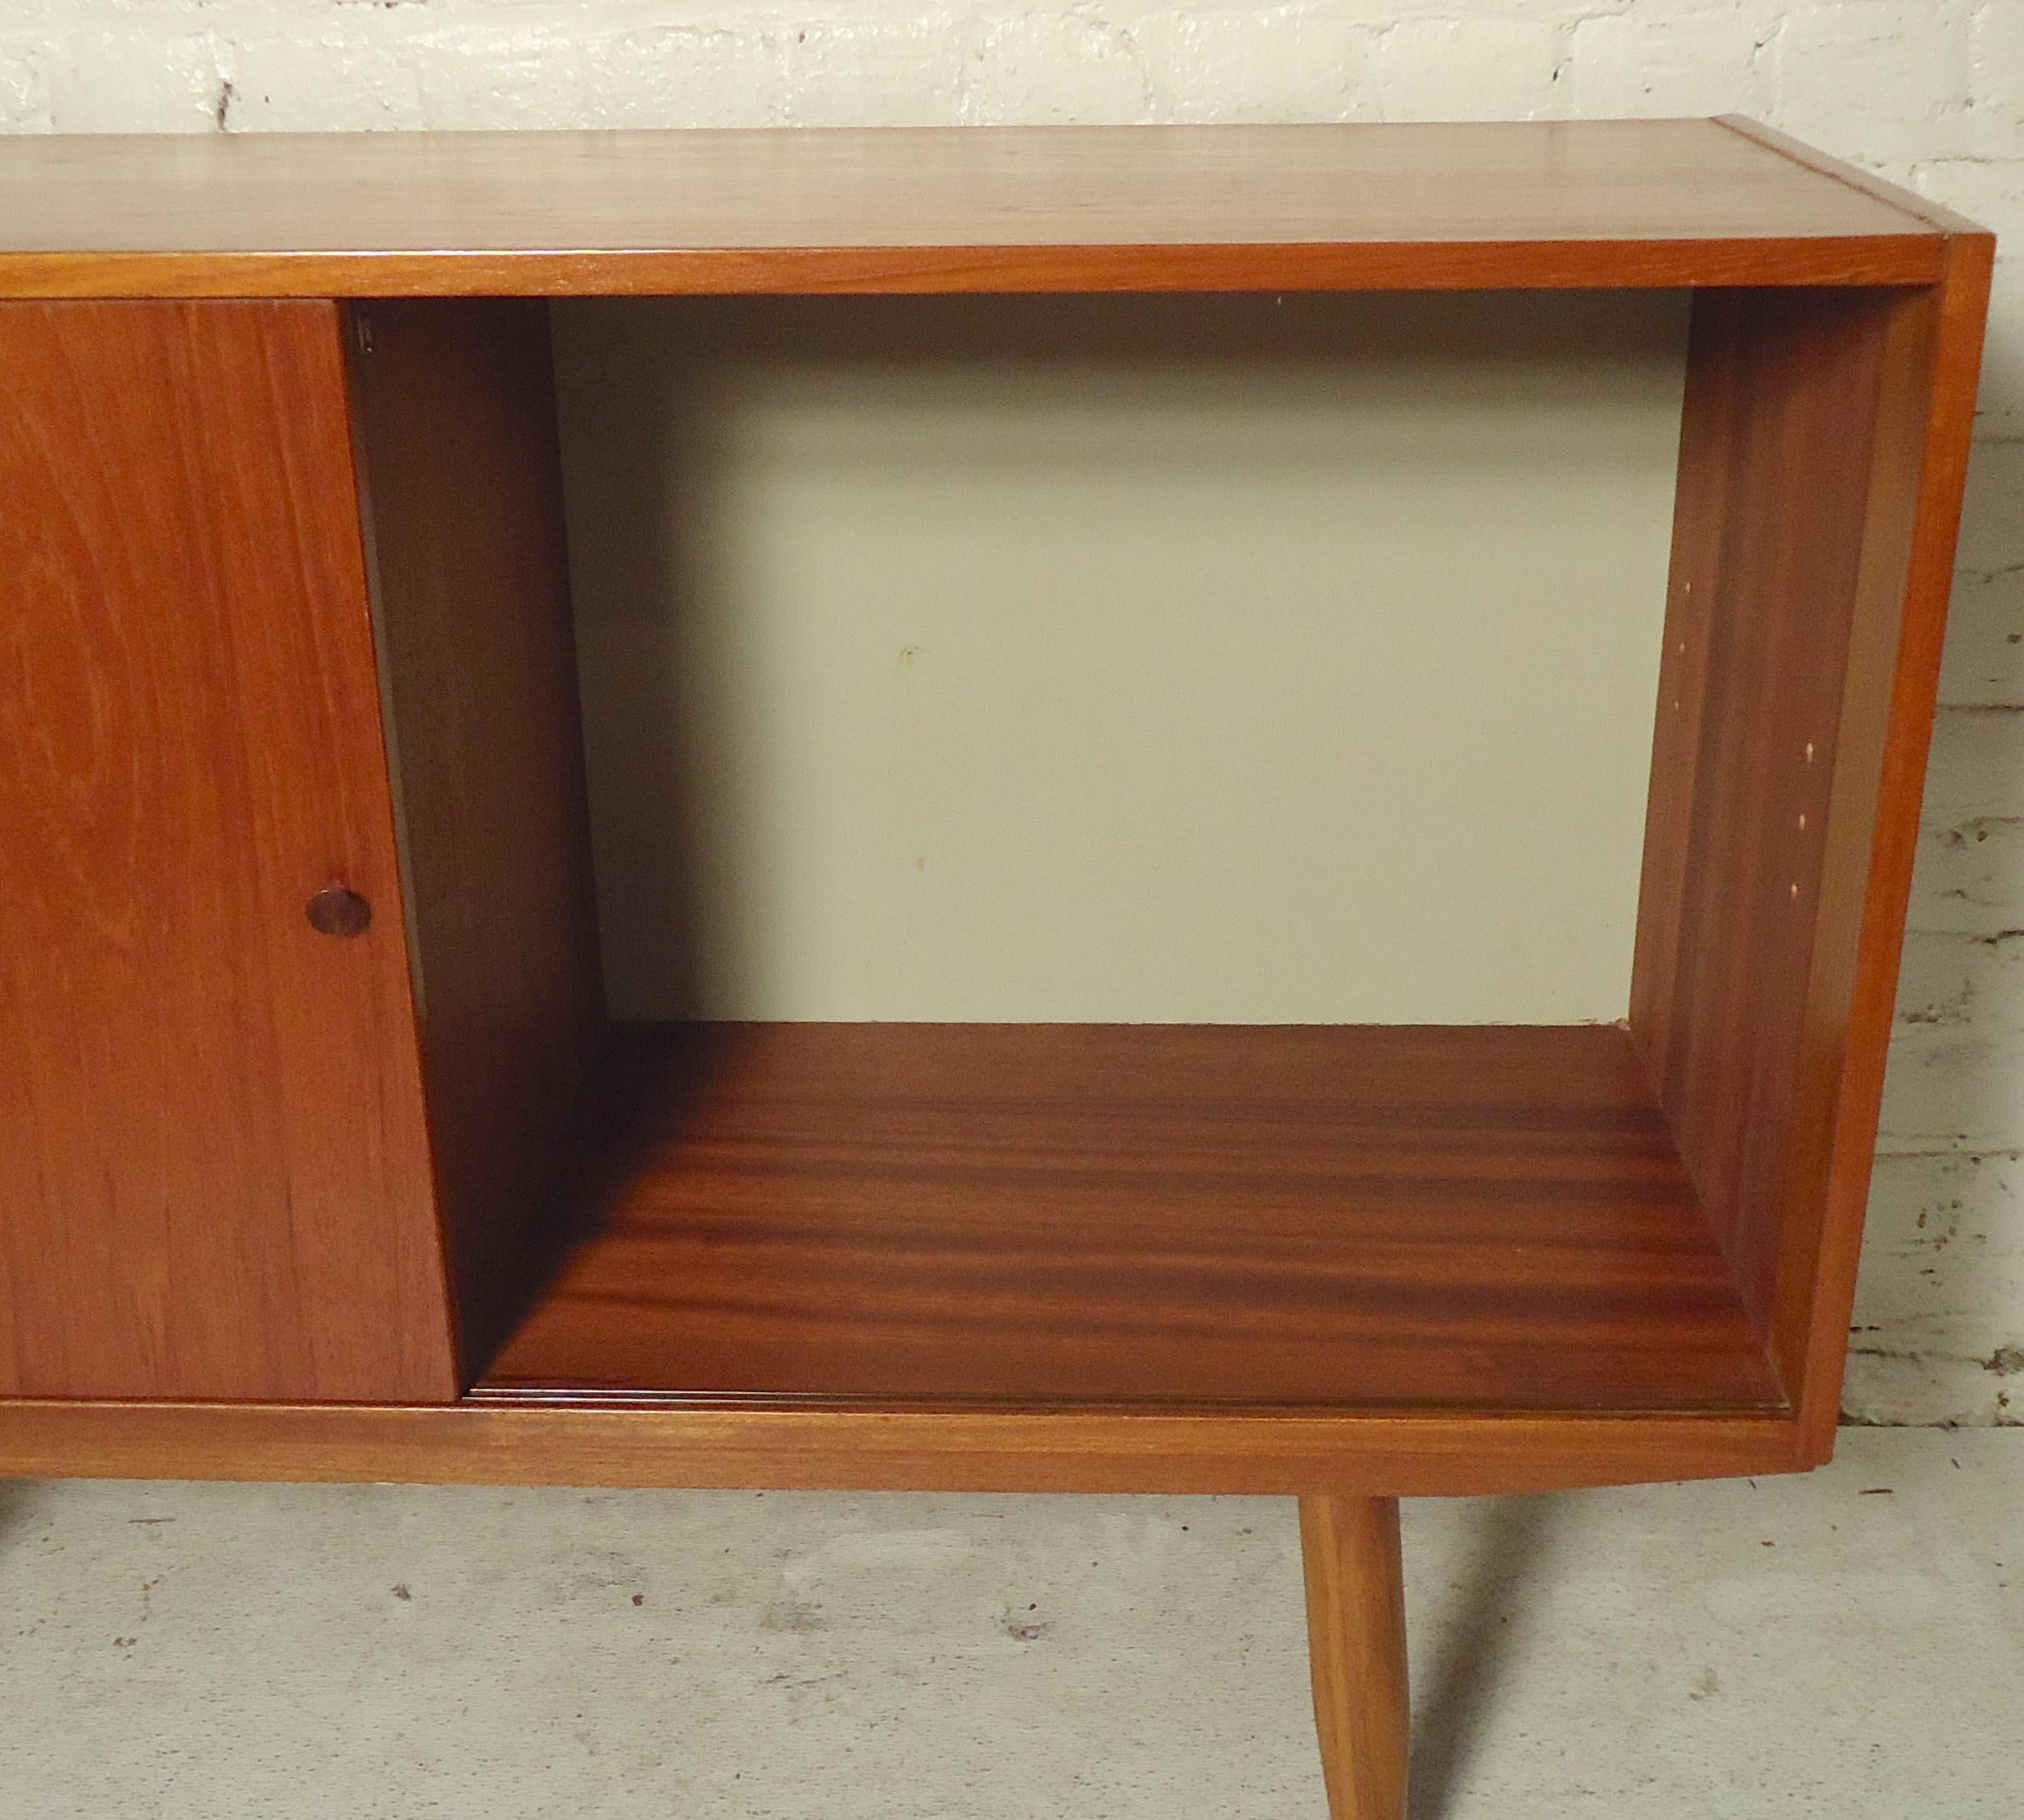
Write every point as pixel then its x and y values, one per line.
pixel 1928 92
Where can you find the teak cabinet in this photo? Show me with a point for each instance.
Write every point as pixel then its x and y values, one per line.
pixel 319 1160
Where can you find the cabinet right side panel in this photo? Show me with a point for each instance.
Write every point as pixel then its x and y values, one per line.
pixel 1822 458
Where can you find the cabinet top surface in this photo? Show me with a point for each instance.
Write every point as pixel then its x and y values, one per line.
pixel 1641 203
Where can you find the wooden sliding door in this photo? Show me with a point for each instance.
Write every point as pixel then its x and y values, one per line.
pixel 215 1176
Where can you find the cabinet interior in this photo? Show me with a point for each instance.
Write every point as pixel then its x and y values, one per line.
pixel 916 1052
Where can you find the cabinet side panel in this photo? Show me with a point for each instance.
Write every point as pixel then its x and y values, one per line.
pixel 1773 498
pixel 456 441
pixel 1709 425
pixel 1925 421
pixel 1769 804
pixel 214 1180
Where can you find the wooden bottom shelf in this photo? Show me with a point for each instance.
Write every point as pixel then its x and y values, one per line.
pixel 1052 1218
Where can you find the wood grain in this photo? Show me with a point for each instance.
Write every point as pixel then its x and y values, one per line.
pixel 462 486
pixel 1349 1549
pixel 1777 451
pixel 1811 159
pixel 212 1163
pixel 1380 1453
pixel 1926 419
pixel 1819 453
pixel 1069 1215
pixel 1564 203
pixel 1710 411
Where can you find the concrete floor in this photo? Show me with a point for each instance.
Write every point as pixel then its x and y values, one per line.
pixel 1849 1646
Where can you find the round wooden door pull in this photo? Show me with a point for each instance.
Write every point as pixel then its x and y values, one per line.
pixel 336 911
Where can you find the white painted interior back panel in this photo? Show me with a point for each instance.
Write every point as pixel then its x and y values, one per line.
pixel 1217 660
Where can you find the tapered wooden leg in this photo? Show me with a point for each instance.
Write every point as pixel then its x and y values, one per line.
pixel 1356 1636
